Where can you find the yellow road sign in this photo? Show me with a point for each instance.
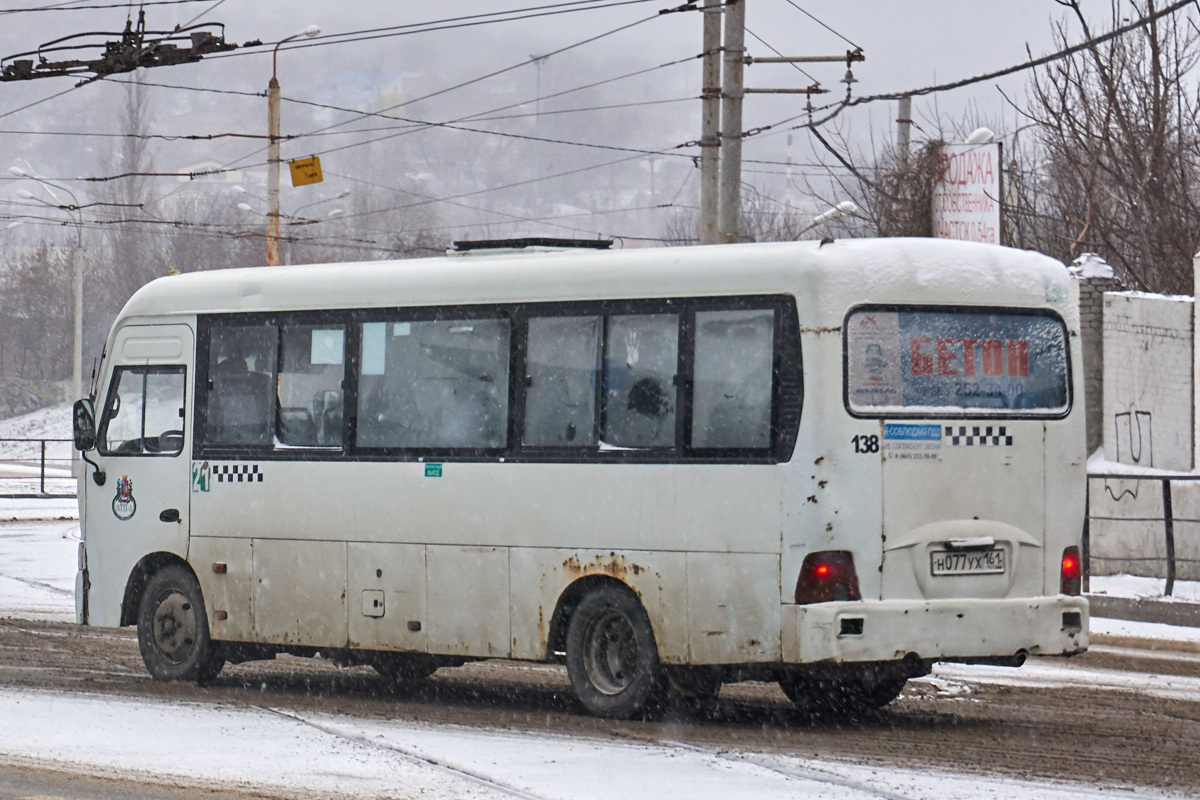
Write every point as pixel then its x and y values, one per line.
pixel 306 171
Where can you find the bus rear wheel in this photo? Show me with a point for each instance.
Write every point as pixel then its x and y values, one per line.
pixel 612 659
pixel 826 695
pixel 173 629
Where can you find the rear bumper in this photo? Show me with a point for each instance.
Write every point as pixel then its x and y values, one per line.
pixel 886 630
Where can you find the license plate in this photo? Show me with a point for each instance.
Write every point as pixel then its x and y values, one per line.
pixel 967 562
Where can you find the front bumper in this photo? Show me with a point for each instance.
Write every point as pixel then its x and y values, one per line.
pixel 935 630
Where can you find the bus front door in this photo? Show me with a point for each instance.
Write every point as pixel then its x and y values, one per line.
pixel 142 447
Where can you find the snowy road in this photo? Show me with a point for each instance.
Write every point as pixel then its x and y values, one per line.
pixel 1123 719
pixel 324 756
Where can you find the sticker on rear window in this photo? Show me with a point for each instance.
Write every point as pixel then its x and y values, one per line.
pixel 899 361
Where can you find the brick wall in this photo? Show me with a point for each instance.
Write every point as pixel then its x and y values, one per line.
pixel 1091 335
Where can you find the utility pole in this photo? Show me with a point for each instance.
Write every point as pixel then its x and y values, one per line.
pixel 538 63
pixel 903 126
pixel 721 136
pixel 732 85
pixel 710 132
pixel 273 171
pixel 273 148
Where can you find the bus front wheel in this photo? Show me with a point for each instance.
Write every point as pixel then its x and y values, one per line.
pixel 173 629
pixel 612 659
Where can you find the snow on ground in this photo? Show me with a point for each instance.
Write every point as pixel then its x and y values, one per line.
pixel 323 756
pixel 37 568
pixel 1138 587
pixel 21 454
pixel 52 422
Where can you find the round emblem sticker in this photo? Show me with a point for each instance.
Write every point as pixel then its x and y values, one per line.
pixel 123 505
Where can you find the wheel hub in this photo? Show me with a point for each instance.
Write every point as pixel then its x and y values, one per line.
pixel 174 627
pixel 610 653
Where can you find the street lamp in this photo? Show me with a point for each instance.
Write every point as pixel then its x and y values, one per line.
pixel 844 209
pixel 343 193
pixel 77 218
pixel 273 148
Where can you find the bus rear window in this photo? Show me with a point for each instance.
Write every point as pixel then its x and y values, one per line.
pixel 925 361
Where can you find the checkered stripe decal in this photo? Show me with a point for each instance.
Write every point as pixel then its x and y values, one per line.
pixel 237 473
pixel 979 436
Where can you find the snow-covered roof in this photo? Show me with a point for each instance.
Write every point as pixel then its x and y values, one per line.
pixel 827 279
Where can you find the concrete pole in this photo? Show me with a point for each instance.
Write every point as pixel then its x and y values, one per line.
pixel 1196 362
pixel 903 126
pixel 77 346
pixel 710 131
pixel 787 185
pixel 732 91
pixel 273 172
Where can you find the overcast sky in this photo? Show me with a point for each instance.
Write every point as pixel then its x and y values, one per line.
pixel 907 46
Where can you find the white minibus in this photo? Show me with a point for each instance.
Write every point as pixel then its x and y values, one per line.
pixel 828 465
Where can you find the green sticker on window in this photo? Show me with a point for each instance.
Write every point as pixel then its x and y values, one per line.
pixel 433 470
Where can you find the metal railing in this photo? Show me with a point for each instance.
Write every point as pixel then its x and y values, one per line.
pixel 36 468
pixel 1168 520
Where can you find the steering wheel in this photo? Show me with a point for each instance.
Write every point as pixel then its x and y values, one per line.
pixel 170 442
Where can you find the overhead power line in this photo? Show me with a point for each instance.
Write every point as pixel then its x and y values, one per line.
pixel 837 108
pixel 822 24
pixel 458 23
pixel 461 85
pixel 123 52
pixel 72 7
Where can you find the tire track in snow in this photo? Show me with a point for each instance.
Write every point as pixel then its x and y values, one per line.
pixel 812 774
pixel 453 769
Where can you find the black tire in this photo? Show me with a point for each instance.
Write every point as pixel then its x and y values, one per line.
pixel 826 695
pixel 693 690
pixel 173 629
pixel 404 667
pixel 612 659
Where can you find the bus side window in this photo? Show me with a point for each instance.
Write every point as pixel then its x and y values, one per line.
pixel 731 399
pixel 560 401
pixel 434 384
pixel 241 381
pixel 144 413
pixel 640 397
pixel 312 366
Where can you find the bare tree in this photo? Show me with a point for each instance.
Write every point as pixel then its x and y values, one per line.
pixel 35 315
pixel 1117 125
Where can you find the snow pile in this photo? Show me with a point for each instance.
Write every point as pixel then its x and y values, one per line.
pixel 1090 265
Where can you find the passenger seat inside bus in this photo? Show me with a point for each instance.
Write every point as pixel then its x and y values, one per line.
pixel 239 409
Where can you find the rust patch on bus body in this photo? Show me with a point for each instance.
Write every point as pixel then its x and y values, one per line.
pixel 615 566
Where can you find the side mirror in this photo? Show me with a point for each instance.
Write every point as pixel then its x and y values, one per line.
pixel 84 425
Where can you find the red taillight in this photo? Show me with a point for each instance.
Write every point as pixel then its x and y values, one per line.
pixel 1072 571
pixel 826 576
